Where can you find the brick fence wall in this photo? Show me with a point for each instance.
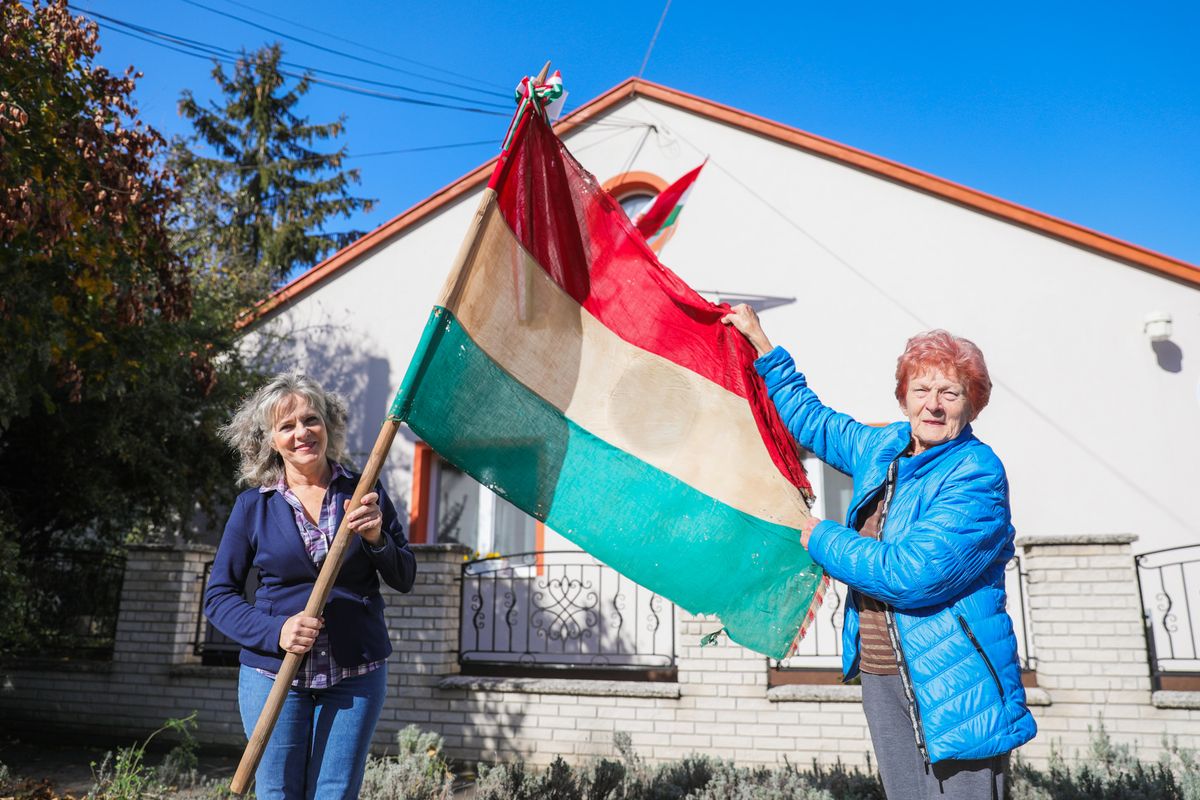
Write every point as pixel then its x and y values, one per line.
pixel 1086 628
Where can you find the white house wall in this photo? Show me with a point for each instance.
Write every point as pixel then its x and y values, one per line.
pixel 1097 437
pixel 1094 432
pixel 359 330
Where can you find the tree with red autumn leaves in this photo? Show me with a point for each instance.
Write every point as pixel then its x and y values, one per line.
pixel 117 368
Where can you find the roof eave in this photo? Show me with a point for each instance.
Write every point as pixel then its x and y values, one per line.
pixel 909 177
pixel 878 166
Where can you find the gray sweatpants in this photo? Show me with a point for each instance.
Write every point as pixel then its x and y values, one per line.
pixel 904 774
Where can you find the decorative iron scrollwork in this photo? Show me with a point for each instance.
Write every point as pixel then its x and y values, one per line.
pixel 1169 583
pixel 561 608
pixel 565 609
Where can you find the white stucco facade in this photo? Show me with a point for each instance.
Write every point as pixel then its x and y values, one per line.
pixel 1094 425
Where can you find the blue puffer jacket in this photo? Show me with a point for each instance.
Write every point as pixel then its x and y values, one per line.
pixel 939 564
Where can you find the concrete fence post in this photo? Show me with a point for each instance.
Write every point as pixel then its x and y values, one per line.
pixel 1088 636
pixel 160 603
pixel 424 628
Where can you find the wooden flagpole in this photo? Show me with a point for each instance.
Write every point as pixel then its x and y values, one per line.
pixel 244 776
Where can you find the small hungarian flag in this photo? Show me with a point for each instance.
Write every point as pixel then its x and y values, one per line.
pixel 657 223
pixel 568 371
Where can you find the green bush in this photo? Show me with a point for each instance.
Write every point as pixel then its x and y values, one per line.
pixel 696 777
pixel 759 783
pixel 1109 771
pixel 505 782
pixel 764 783
pixel 418 771
pixel 126 776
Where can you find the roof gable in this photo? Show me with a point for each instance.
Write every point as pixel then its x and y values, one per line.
pixel 982 202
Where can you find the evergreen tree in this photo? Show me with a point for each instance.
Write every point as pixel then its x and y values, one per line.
pixel 259 204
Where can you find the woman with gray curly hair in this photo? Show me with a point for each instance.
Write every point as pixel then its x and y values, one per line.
pixel 291 436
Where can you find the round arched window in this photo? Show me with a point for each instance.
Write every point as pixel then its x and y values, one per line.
pixel 635 191
pixel 636 203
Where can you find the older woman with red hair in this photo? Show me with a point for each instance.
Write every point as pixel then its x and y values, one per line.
pixel 923 549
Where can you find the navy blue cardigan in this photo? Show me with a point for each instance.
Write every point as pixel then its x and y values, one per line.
pixel 261 534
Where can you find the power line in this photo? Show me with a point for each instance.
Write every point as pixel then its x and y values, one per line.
pixel 196 49
pixel 440 70
pixel 331 50
pixel 376 153
pixel 319 81
pixel 226 52
pixel 455 145
pixel 427 148
pixel 653 38
pixel 634 154
pixel 385 84
pixel 611 135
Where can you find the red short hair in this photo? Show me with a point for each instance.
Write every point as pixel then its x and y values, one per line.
pixel 953 355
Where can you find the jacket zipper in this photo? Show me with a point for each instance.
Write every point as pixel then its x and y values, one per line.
pixel 914 711
pixel 987 661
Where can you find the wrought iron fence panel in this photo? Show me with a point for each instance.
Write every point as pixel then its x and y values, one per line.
pixel 561 608
pixel 1168 581
pixel 1019 610
pixel 214 647
pixel 821 648
pixel 67 605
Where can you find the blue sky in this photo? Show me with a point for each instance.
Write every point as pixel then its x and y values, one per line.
pixel 1087 111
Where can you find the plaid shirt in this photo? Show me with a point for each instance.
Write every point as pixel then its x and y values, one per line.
pixel 318 670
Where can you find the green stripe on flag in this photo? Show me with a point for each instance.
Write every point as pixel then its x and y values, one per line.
pixel 670 220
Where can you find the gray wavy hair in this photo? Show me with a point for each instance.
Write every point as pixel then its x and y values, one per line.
pixel 249 432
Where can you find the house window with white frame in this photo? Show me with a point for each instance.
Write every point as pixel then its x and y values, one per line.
pixel 467 513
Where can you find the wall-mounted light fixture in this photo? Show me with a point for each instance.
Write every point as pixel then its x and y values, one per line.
pixel 1157 326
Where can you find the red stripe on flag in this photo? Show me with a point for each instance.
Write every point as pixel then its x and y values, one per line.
pixel 582 238
pixel 658 212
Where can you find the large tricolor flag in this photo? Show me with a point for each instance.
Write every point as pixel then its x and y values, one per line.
pixel 568 371
pixel 657 223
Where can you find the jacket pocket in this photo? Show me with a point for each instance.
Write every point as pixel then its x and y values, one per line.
pixel 987 662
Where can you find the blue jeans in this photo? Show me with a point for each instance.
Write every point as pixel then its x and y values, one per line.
pixel 319 747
